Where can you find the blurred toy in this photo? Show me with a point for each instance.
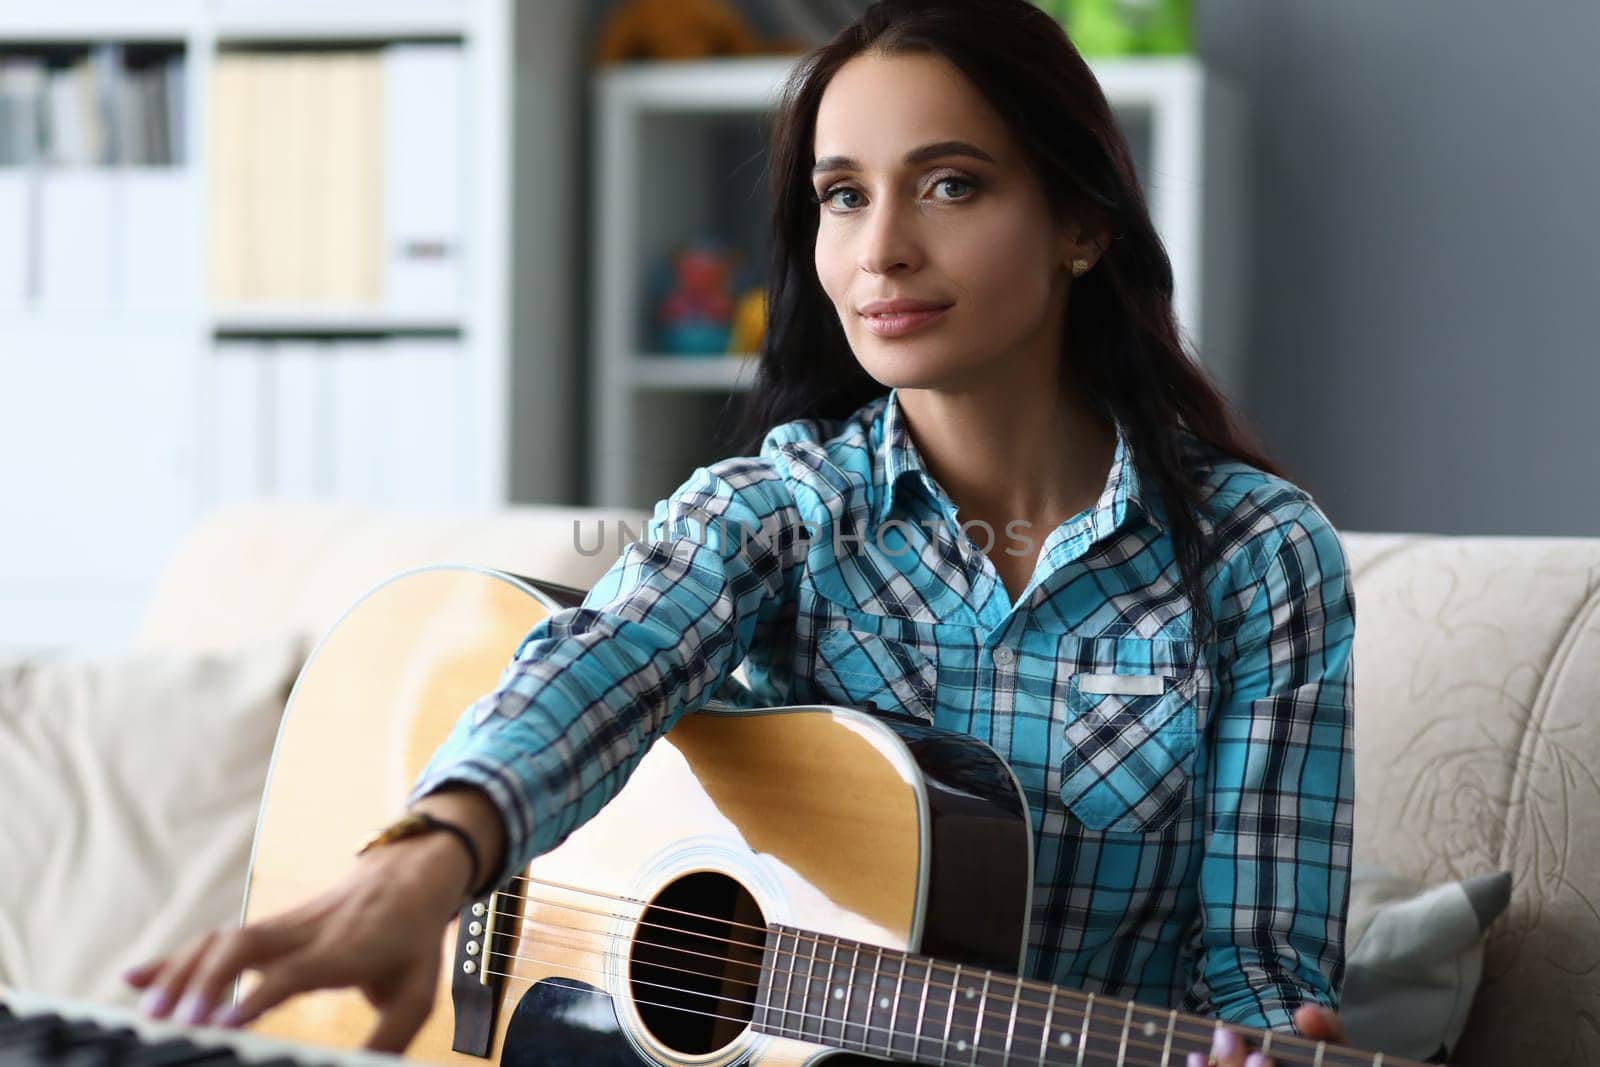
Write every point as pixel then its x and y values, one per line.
pixel 694 305
pixel 749 323
pixel 679 29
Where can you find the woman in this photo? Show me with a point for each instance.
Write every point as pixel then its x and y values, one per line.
pixel 985 483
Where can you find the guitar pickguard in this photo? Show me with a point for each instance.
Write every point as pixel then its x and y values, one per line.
pixel 562 1022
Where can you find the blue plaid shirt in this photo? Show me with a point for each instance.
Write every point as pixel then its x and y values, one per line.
pixel 1192 824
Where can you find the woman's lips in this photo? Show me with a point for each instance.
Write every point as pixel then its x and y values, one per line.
pixel 899 324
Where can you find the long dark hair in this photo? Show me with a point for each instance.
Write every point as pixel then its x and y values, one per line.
pixel 1121 345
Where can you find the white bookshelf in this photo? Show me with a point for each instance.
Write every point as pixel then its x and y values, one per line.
pixel 106 445
pixel 660 130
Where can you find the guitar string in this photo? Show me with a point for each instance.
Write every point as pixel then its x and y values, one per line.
pixel 1106 1028
pixel 1062 994
pixel 1103 1022
pixel 1069 996
pixel 1082 1053
pixel 822 1020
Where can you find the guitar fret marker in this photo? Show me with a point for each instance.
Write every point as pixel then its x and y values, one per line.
pixel 838 992
pixel 1066 1039
pixel 883 1002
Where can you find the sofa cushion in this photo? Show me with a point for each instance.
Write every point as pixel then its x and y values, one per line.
pixel 133 783
pixel 1415 956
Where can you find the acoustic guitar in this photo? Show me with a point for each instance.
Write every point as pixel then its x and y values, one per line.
pixel 770 887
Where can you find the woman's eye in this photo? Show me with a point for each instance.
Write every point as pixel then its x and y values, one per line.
pixel 830 197
pixel 964 188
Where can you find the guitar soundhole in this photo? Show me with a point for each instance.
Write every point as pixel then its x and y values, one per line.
pixel 696 961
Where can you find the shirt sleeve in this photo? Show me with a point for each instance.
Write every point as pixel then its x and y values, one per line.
pixel 1275 877
pixel 591 687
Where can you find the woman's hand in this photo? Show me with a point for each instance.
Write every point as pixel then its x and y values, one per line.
pixel 1228 1049
pixel 379 930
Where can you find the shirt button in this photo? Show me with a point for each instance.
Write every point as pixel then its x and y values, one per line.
pixel 1004 656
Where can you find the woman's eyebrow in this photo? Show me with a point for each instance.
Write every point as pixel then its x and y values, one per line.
pixel 937 150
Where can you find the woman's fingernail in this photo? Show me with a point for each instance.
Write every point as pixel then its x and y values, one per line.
pixel 1255 1059
pixel 228 1016
pixel 1194 1059
pixel 156 1001
pixel 1225 1043
pixel 194 1008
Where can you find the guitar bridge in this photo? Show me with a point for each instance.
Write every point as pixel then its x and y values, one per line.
pixel 474 987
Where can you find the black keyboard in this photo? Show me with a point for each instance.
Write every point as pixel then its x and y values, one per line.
pixel 43 1032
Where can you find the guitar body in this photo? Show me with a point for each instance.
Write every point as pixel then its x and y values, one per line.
pixel 755 833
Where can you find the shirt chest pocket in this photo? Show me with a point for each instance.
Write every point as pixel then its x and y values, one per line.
pixel 1128 749
pixel 854 667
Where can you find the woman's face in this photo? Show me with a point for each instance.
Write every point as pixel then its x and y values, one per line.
pixel 927 197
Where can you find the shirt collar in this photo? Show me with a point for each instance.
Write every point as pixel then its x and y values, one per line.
pixel 899 459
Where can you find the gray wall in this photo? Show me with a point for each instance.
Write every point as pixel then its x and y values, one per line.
pixel 1422 345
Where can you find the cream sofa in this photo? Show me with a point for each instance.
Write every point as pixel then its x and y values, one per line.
pixel 1478 668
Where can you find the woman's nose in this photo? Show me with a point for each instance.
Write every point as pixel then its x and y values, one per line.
pixel 889 240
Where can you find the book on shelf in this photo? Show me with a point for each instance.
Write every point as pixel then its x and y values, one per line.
pixel 95 211
pixel 69 117
pixel 427 458
pixel 375 421
pixel 300 430
pixel 354 183
pixel 239 413
pixel 337 177
pixel 359 412
pixel 22 81
pixel 424 208
pixel 107 105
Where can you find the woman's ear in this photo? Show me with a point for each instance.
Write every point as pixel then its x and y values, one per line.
pixel 1081 242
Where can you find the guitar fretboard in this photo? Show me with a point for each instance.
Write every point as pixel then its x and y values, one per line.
pixel 862 998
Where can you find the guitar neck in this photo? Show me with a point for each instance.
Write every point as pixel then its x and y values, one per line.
pixel 880 1001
